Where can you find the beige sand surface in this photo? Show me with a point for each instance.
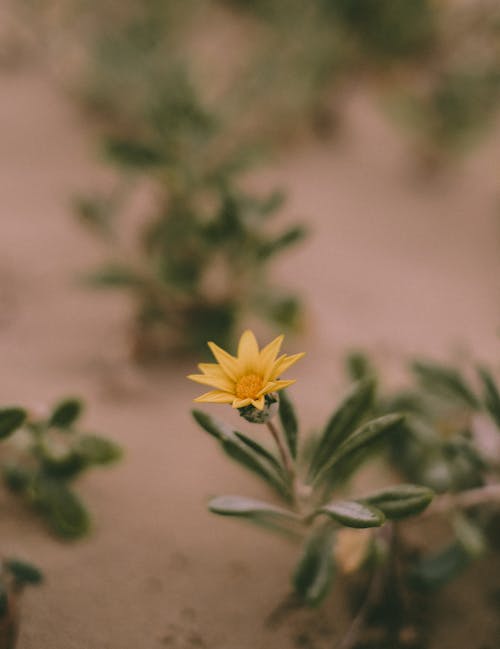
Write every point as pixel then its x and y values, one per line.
pixel 392 264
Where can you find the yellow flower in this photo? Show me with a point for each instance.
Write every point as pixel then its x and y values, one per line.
pixel 245 379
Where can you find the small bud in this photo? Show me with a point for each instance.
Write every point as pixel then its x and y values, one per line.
pixel 256 416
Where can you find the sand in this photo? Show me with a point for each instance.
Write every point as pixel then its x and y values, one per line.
pixel 392 264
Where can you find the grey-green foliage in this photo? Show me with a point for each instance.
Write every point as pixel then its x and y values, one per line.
pixel 446 86
pixel 306 484
pixel 202 253
pixel 43 458
pixel 447 442
pixel 15 575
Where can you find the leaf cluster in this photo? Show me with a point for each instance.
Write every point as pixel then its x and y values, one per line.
pixel 450 442
pixel 311 508
pixel 45 456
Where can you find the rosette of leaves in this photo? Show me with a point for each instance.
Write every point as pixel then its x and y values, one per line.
pixel 450 442
pixel 15 576
pixel 310 487
pixel 43 458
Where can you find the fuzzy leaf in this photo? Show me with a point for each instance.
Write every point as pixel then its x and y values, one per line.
pixel 239 451
pixel 401 501
pixel 24 573
pixel 359 441
pixel 491 395
pixel 314 574
pixel 353 514
pixel 344 421
pixel 445 380
pixel 132 154
pixel 288 421
pixel 10 420
pixel 114 276
pixel 63 511
pixel 66 413
pixel 97 450
pixel 247 508
pixel 436 570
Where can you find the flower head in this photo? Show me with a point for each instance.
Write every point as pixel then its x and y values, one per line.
pixel 245 379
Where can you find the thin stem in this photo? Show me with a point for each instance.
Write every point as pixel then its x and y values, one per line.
pixel 464 499
pixel 287 463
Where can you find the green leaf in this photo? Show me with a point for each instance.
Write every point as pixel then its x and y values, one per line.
pixel 10 420
pixel 66 413
pixel 401 501
pixel 66 466
pixel 346 418
pixel 353 514
pixel 61 508
pixel 359 441
pixel 114 275
pixel 132 153
pixel 260 450
pixel 16 478
pixel 436 570
pixel 445 380
pixel 491 395
pixel 24 573
pixel 359 367
pixel 288 421
pixel 288 238
pixel 4 601
pixel 314 574
pixel 97 450
pixel 239 451
pixel 248 508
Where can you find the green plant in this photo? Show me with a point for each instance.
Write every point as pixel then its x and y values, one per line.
pixel 44 455
pixel 15 575
pixel 310 478
pixel 450 441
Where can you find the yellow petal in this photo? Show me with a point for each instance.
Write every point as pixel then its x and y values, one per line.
pixel 211 368
pixel 268 356
pixel 258 403
pixel 228 363
pixel 215 396
pixel 248 351
pixel 241 403
pixel 283 363
pixel 220 382
pixel 274 386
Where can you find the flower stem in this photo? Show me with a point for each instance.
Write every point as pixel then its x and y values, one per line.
pixel 287 462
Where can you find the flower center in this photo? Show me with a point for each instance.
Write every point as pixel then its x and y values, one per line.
pixel 248 386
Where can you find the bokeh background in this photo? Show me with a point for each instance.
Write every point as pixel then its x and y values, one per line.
pixel 379 123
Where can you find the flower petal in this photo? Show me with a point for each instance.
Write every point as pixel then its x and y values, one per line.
pixel 274 386
pixel 248 351
pixel 268 356
pixel 258 403
pixel 241 403
pixel 215 396
pixel 228 363
pixel 220 382
pixel 283 363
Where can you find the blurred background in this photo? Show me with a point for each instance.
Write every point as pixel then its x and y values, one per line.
pixel 174 171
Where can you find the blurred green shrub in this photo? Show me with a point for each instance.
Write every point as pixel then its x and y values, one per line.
pixel 44 455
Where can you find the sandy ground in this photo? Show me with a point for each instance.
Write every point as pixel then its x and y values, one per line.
pixel 393 265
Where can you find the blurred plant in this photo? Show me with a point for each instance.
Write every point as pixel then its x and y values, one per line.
pixel 43 457
pixel 311 477
pixel 436 65
pixel 15 575
pixel 449 441
pixel 203 257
